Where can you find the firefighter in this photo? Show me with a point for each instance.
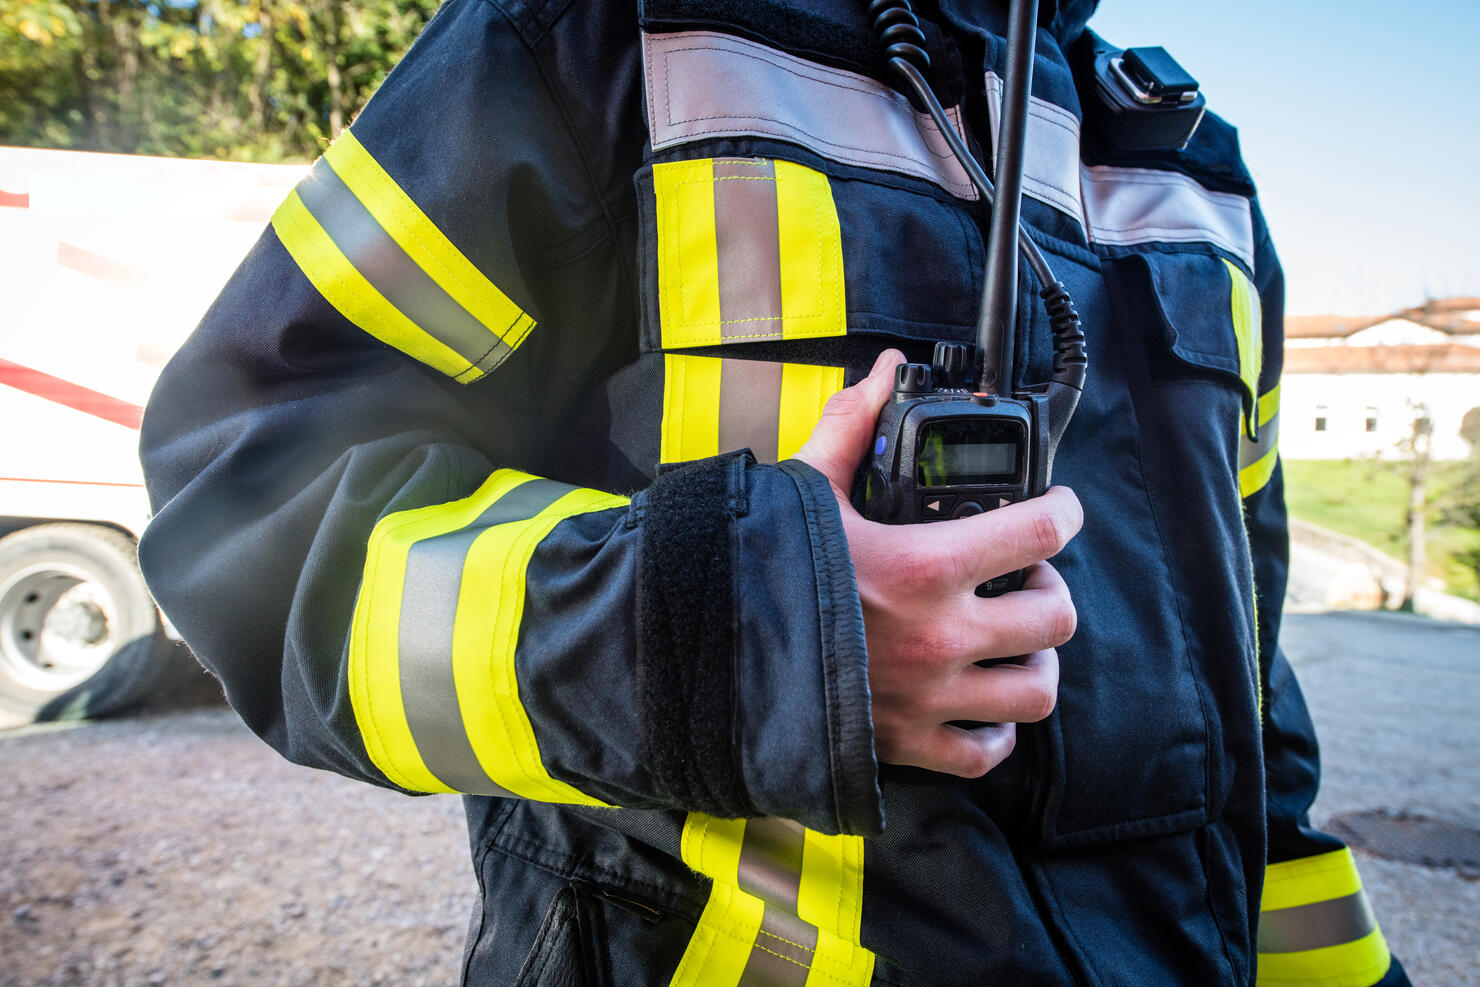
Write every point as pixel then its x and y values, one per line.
pixel 493 470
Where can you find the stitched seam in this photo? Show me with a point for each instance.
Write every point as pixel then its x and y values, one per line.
pixel 772 935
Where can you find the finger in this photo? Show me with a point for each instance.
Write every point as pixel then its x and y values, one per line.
pixel 967 753
pixel 1040 615
pixel 975 549
pixel 1022 692
pixel 842 436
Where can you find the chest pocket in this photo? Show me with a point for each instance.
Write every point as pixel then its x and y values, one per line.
pixel 769 282
pixel 1163 669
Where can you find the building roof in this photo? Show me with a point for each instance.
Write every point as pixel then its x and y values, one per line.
pixel 1445 358
pixel 1458 316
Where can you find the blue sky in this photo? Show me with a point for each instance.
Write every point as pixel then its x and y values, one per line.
pixel 1360 121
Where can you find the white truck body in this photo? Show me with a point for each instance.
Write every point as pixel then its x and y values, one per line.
pixel 107 262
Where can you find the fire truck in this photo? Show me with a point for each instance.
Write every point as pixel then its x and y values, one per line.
pixel 107 262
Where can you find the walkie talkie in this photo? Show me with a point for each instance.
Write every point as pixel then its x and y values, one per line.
pixel 957 438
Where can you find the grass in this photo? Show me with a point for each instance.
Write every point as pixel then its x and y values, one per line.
pixel 1368 500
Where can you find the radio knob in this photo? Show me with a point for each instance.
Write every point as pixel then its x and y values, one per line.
pixel 913 378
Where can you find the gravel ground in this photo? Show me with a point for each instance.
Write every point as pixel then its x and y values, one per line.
pixel 175 848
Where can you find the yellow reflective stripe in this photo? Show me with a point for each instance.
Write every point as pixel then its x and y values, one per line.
pixel 690 427
pixel 374 663
pixel 1307 880
pixel 1269 405
pixel 808 247
pixel 1361 963
pixel 485 633
pixel 427 245
pixel 489 609
pixel 830 897
pixel 694 402
pixel 812 296
pixel 1248 328
pixel 804 391
pixel 722 941
pixel 688 253
pixel 352 296
pixel 1252 478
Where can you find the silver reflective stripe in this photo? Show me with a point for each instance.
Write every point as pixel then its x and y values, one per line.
pixel 703 84
pixel 781 955
pixel 1051 157
pixel 748 240
pixel 1121 206
pixel 1250 453
pixel 749 411
pixel 1325 923
pixel 771 861
pixel 434 569
pixel 392 272
pixel 1143 205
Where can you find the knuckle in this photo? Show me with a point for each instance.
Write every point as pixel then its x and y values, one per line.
pixel 918 567
pixel 1039 702
pixel 1050 534
pixel 1062 623
pixel 848 401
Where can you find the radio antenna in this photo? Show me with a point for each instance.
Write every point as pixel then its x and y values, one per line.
pixel 998 316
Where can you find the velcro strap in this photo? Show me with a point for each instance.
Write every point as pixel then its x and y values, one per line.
pixel 687 628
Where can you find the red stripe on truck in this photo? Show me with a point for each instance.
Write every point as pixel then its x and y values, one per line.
pixel 74 396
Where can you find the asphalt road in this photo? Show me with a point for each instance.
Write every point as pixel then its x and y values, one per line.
pixel 174 848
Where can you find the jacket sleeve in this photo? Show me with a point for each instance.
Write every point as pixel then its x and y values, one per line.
pixel 377 464
pixel 1315 924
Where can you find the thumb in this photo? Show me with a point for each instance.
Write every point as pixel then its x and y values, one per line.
pixel 842 436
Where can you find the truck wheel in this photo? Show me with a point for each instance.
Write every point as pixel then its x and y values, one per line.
pixel 79 633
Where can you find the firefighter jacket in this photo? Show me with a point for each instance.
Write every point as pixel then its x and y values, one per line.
pixel 453 495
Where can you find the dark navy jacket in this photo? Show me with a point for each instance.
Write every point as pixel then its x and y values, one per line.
pixel 665 235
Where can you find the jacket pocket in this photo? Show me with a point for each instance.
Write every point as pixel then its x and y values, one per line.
pixel 768 283
pixel 557 960
pixel 763 249
pixel 1160 573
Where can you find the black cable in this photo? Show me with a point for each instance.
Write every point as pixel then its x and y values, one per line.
pixel 898 29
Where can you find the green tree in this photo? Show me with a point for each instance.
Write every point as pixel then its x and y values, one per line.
pixel 259 80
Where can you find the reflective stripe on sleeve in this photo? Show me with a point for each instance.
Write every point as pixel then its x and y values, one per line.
pixel 748 249
pixel 386 267
pixel 431 665
pixel 785 906
pixel 1248 327
pixel 1315 926
pixel 1257 457
pixel 713 405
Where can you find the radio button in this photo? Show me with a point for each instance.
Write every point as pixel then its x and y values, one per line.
pixel 934 507
pixel 967 508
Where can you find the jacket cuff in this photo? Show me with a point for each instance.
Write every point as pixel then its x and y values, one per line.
pixel 753 674
pixel 854 769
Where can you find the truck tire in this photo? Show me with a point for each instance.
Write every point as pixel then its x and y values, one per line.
pixel 79 633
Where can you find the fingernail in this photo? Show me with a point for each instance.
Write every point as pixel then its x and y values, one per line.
pixel 881 361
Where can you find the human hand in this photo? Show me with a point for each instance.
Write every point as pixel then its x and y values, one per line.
pixel 926 626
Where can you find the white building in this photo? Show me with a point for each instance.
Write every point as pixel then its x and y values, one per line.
pixel 1353 387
